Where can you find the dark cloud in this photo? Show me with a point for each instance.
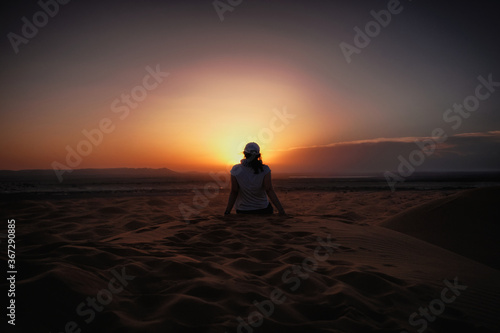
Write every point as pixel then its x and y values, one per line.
pixel 463 152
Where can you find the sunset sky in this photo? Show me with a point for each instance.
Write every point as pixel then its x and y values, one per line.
pixel 271 72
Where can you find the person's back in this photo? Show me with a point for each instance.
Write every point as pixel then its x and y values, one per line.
pixel 252 194
pixel 251 185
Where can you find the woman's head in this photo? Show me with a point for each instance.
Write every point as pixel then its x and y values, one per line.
pixel 252 147
pixel 252 151
pixel 253 157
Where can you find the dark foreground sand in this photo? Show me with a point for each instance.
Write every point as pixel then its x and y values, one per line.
pixel 351 261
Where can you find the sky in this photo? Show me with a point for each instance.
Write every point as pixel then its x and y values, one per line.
pixel 330 87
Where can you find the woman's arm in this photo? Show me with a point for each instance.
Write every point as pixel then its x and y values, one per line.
pixel 268 186
pixel 232 195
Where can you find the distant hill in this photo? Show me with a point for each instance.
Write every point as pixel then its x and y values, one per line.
pixel 80 174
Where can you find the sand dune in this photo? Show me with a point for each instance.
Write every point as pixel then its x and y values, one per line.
pixel 241 274
pixel 467 223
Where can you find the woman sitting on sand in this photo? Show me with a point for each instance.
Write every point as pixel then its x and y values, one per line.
pixel 250 181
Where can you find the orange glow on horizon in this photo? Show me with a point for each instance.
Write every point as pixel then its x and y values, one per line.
pixel 200 120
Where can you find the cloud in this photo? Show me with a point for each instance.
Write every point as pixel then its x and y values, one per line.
pixel 460 152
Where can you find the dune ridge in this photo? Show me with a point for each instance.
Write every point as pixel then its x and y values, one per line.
pixel 467 223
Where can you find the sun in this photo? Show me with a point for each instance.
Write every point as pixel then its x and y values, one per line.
pixel 231 151
pixel 227 141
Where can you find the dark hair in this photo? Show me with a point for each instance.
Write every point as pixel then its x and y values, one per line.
pixel 255 162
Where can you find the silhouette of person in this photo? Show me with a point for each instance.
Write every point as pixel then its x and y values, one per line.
pixel 250 182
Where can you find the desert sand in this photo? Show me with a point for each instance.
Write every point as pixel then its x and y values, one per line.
pixel 342 261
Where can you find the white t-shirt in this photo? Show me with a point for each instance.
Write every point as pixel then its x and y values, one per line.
pixel 252 194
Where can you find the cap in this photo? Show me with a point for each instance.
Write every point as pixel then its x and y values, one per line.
pixel 252 147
